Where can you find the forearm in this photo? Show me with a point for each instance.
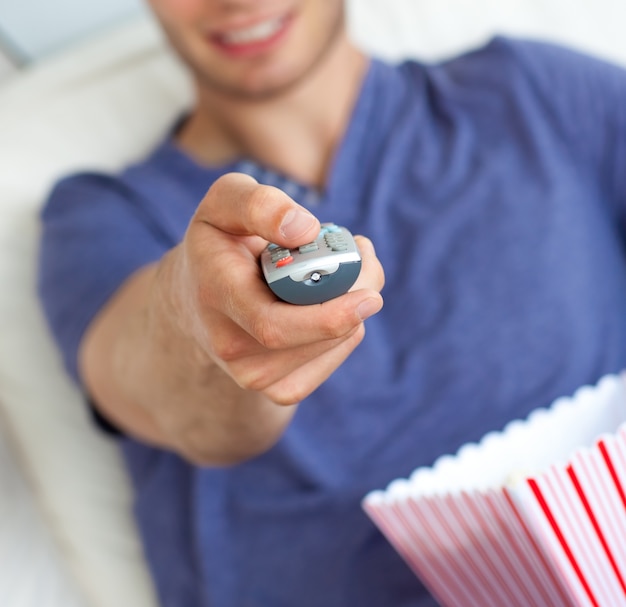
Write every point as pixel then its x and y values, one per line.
pixel 155 383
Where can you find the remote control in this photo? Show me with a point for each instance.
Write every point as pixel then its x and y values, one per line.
pixel 315 272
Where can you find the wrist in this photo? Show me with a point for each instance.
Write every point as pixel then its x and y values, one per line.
pixel 172 320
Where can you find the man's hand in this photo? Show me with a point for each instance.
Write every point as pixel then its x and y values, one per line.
pixel 282 350
pixel 224 352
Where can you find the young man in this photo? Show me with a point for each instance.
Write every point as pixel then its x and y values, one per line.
pixel 493 187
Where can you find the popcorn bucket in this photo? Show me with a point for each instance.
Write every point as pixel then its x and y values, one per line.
pixel 534 515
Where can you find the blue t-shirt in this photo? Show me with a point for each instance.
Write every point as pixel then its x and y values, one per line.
pixel 494 187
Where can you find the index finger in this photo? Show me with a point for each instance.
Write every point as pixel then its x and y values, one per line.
pixel 280 325
pixel 237 204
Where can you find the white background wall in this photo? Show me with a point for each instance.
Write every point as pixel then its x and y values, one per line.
pixel 6 66
pixel 31 29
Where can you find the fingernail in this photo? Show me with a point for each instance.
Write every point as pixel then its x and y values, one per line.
pixel 367 308
pixel 295 223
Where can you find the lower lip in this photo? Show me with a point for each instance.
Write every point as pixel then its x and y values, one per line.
pixel 252 49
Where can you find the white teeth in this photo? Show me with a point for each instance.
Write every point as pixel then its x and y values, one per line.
pixel 256 33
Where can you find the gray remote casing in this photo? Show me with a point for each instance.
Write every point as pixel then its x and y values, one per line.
pixel 315 272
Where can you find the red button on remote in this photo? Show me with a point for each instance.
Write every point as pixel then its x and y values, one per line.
pixel 285 261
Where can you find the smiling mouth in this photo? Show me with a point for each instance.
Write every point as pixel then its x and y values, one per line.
pixel 256 33
pixel 255 38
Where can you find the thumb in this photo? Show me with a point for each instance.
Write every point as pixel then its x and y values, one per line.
pixel 238 204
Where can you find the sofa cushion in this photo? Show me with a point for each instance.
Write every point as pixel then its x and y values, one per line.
pixel 100 105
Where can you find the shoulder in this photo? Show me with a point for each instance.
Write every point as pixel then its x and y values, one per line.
pixel 559 69
pixel 88 187
pixel 519 82
pixel 139 191
pixel 508 61
pixel 78 190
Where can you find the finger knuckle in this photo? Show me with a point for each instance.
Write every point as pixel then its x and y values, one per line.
pixel 286 394
pixel 221 186
pixel 249 374
pixel 256 380
pixel 268 333
pixel 338 325
pixel 259 201
pixel 229 348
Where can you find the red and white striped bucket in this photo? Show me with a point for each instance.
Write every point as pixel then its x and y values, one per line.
pixel 531 516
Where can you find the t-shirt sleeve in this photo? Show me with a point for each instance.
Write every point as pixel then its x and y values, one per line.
pixel 96 232
pixel 586 101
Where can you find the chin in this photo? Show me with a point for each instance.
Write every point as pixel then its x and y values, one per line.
pixel 270 86
pixel 256 82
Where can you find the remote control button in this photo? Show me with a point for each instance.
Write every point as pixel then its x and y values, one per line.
pixel 309 248
pixel 279 254
pixel 285 261
pixel 336 242
pixel 328 228
pixel 322 264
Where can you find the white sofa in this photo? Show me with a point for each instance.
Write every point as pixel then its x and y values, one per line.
pixel 67 537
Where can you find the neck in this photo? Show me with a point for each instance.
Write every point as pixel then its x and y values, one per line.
pixel 295 132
